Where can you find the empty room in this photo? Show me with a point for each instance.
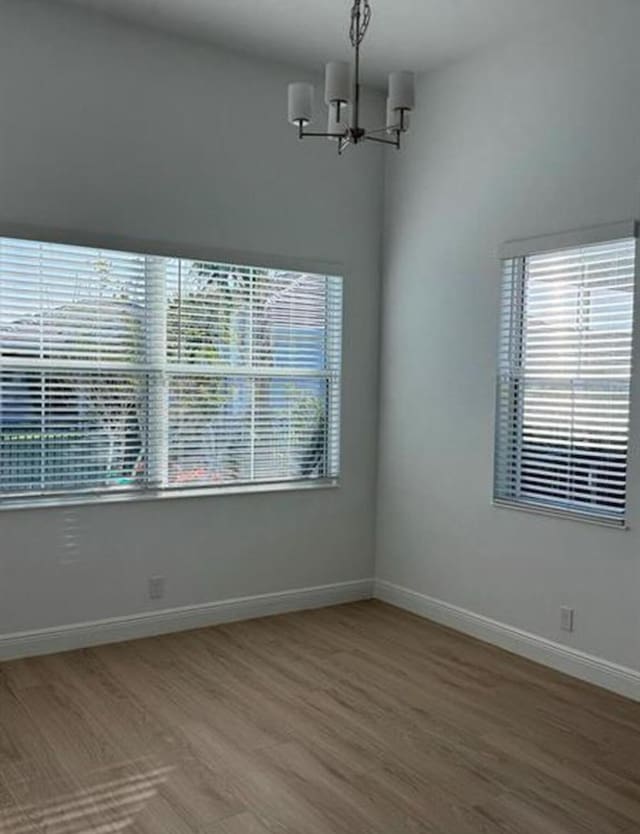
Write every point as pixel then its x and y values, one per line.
pixel 319 417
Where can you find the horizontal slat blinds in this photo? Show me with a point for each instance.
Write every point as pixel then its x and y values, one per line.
pixel 68 303
pixel 218 314
pixel 66 430
pixel 564 379
pixel 253 368
pixel 248 428
pixel 126 372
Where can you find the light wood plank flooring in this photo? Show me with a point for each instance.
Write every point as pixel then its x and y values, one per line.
pixel 359 719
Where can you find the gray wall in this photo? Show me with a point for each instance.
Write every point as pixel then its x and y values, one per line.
pixel 111 130
pixel 539 136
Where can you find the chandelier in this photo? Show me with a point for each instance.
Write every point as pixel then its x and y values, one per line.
pixel 342 96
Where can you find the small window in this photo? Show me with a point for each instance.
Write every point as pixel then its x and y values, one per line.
pixel 129 373
pixel 564 377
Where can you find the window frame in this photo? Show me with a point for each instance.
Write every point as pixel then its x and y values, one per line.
pixel 518 251
pixel 195 252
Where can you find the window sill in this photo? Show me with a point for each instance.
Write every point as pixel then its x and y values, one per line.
pixel 570 515
pixel 92 499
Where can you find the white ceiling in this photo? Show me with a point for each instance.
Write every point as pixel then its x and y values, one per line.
pixel 416 34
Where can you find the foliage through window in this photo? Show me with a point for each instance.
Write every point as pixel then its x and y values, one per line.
pixel 128 372
pixel 564 380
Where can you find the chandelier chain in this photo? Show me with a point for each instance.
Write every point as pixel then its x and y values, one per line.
pixel 360 19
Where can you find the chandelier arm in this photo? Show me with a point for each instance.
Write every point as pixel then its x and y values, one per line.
pixel 394 142
pixel 380 130
pixel 305 134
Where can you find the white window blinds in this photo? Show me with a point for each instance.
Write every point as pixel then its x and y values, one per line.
pixel 564 377
pixel 126 372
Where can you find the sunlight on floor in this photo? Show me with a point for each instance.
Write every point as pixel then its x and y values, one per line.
pixel 108 807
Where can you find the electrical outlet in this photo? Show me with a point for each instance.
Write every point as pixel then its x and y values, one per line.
pixel 156 587
pixel 567 617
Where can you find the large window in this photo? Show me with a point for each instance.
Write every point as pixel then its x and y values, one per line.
pixel 564 379
pixel 122 372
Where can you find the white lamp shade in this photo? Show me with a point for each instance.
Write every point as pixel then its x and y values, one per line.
pixel 335 126
pixel 300 102
pixel 337 82
pixel 394 119
pixel 402 90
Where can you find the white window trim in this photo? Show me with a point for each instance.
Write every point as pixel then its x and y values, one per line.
pixel 82 499
pixel 568 240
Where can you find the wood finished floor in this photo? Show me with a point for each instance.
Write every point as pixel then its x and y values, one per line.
pixel 359 719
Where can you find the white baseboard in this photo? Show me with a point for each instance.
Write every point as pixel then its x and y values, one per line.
pixel 151 623
pixel 596 670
